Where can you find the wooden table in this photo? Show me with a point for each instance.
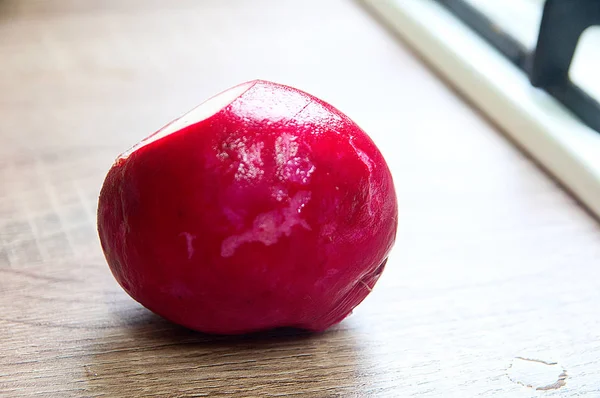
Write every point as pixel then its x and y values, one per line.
pixel 494 262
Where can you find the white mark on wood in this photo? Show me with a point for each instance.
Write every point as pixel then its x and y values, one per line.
pixel 537 374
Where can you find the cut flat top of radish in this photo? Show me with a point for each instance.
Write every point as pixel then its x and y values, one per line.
pixel 202 112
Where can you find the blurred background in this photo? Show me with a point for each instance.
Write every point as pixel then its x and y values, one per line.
pixel 492 260
pixel 111 72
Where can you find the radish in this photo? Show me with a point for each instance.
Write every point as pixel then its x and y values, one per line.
pixel 263 207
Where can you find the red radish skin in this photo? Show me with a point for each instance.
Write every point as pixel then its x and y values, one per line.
pixel 264 207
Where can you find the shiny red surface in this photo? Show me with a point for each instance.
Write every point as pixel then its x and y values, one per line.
pixel 276 211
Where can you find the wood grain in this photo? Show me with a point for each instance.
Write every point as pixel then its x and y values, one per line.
pixel 493 261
